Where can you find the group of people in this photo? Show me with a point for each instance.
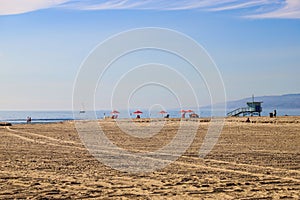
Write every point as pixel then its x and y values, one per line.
pixel 192 115
pixel 114 116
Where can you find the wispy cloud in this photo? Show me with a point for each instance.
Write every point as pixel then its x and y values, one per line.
pixel 233 5
pixel 11 7
pixel 290 10
pixel 245 8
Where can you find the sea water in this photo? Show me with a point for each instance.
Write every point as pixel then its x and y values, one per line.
pixel 19 117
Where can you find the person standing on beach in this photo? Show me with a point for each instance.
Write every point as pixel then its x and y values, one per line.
pixel 275 113
pixel 28 120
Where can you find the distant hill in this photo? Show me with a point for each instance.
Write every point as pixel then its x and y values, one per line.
pixel 287 101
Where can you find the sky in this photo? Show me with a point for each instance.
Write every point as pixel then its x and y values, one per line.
pixel 43 44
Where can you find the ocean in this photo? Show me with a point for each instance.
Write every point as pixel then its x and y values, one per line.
pixel 19 117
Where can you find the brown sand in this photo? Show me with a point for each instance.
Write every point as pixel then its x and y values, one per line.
pixel 257 160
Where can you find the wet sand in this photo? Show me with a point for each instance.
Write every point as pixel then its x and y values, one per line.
pixel 257 160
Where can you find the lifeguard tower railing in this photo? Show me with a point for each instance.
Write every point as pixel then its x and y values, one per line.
pixel 244 111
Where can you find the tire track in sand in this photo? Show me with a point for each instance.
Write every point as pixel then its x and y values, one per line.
pixel 224 169
pixel 15 133
pixel 43 136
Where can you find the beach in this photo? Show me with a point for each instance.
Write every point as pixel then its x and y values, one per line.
pixel 256 160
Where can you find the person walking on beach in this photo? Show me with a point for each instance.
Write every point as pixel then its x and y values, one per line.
pixel 275 113
pixel 28 120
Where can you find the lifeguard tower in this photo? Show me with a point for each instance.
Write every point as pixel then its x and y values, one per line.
pixel 254 108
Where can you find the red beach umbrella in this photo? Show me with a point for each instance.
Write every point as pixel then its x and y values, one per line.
pixel 137 112
pixel 183 111
pixel 115 112
pixel 189 111
pixel 163 112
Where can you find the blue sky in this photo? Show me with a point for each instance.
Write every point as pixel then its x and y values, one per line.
pixel 255 44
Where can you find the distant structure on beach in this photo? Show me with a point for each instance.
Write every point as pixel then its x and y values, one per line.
pixel 82 109
pixel 254 108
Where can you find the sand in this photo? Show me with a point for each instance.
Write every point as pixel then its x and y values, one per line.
pixel 257 160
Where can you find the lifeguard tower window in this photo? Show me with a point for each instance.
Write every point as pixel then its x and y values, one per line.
pixel 255 105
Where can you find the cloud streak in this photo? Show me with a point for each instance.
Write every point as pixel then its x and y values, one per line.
pixel 12 7
pixel 244 8
pixel 290 10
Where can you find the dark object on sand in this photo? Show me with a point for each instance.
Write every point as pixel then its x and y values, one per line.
pixel 167 116
pixel 28 120
pixel 271 115
pixel 5 124
pixel 194 115
pixel 248 120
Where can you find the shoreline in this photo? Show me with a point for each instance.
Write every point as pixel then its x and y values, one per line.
pixel 253 119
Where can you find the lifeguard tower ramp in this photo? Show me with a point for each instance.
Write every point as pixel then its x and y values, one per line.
pixel 254 108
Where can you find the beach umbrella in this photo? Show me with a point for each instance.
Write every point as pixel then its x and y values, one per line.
pixel 183 111
pixel 138 112
pixel 163 112
pixel 115 112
